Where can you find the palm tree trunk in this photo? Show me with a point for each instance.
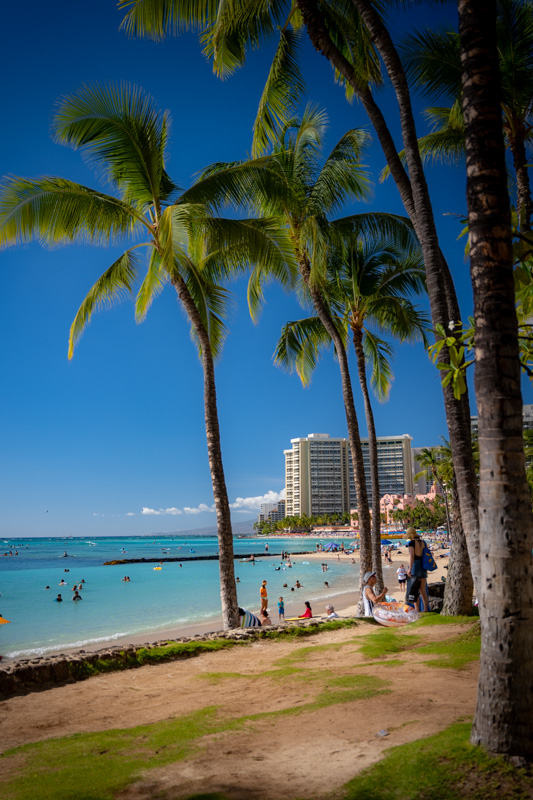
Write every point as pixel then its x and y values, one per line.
pixel 373 455
pixel 503 720
pixel 415 197
pixel 365 552
pixel 228 587
pixel 523 192
pixel 459 585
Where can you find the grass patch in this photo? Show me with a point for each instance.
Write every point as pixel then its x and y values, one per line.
pixel 442 767
pixel 435 618
pixel 316 627
pixel 94 766
pixel 303 653
pixel 392 662
pixel 457 652
pixel 387 642
pixel 342 689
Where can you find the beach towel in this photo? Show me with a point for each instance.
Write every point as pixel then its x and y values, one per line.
pixel 250 620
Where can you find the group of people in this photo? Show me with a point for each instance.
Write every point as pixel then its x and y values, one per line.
pixel 76 589
pixel 76 596
pixel 415 573
pixel 250 620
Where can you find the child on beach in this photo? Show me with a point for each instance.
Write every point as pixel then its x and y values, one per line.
pixel 281 610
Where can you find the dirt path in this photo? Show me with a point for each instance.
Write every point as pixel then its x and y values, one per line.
pixel 345 697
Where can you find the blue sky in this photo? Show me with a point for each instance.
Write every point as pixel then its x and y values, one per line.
pixel 88 444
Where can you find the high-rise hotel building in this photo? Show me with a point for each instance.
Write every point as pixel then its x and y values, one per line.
pixel 319 474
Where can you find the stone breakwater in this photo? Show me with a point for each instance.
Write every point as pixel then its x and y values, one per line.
pixel 238 557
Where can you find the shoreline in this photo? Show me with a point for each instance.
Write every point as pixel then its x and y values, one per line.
pixel 345 604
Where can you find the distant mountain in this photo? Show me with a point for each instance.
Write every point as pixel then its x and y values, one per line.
pixel 239 528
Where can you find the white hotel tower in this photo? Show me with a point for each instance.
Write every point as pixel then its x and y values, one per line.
pixel 319 475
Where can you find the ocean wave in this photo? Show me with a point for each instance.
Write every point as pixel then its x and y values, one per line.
pixel 56 648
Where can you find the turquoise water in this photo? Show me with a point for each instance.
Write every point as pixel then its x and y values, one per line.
pixel 154 600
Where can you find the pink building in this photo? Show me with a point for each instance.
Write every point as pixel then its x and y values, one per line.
pixel 393 502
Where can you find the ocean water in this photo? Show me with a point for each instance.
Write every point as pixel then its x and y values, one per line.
pixel 154 600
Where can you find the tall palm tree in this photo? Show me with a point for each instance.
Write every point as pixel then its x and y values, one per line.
pixel 314 191
pixel 502 722
pixel 433 60
pixel 353 36
pixel 370 279
pixel 125 136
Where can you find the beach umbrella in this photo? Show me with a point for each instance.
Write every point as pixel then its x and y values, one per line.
pixel 3 621
pixel 331 546
pixel 386 541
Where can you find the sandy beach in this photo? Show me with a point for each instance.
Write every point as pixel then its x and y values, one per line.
pixel 345 604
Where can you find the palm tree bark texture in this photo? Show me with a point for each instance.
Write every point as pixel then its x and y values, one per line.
pixel 503 720
pixel 459 584
pixel 415 197
pixel 228 596
pixel 377 567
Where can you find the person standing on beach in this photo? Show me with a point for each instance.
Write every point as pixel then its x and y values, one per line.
pixel 281 610
pixel 416 548
pixel 264 596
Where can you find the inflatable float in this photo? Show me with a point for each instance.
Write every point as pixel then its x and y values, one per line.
pixel 394 615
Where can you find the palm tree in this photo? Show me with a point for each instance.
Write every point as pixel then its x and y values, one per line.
pixel 431 461
pixel 314 191
pixel 125 136
pixel 433 60
pixel 370 279
pixel 353 36
pixel 502 722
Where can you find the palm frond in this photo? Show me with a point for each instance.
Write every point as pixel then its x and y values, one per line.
pixel 283 88
pixel 241 185
pixel 153 284
pixel 375 225
pixel 111 287
pixel 352 39
pixel 56 211
pixel 432 61
pixel 213 302
pixel 237 27
pixel 122 133
pixel 299 346
pixel 379 353
pixel 342 176
pixel 157 18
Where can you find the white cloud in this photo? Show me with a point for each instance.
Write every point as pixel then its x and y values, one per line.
pixel 241 505
pixel 254 503
pixel 130 514
pixel 161 511
pixel 199 509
